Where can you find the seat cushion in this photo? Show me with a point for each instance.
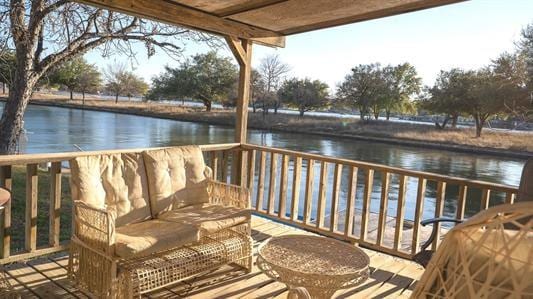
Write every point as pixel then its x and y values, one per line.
pixel 208 218
pixel 176 178
pixel 151 236
pixel 116 182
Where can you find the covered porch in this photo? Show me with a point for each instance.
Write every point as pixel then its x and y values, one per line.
pixel 377 207
pixel 291 193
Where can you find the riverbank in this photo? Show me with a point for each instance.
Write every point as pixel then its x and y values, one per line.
pixel 516 145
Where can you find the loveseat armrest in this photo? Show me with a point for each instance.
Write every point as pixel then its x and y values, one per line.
pixel 94 227
pixel 228 195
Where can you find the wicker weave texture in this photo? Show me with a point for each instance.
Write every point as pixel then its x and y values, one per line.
pixel 320 265
pixel 488 256
pixel 96 270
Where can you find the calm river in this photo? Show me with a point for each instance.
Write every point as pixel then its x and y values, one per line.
pixel 52 129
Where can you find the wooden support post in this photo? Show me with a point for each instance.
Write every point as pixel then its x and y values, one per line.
pixel 242 50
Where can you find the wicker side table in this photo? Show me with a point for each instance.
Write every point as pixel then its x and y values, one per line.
pixel 320 265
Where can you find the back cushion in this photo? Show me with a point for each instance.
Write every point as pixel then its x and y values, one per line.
pixel 117 181
pixel 176 178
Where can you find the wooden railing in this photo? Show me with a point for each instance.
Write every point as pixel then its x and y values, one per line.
pixel 377 206
pixel 37 220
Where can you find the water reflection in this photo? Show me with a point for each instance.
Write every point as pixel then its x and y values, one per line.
pixel 52 129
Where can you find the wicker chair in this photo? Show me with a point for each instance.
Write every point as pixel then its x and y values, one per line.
pixel 488 256
pixel 143 221
pixel 525 193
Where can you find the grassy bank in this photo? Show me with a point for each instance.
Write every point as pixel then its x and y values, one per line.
pixel 462 139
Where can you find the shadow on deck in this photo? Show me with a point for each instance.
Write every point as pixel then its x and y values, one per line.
pixel 390 276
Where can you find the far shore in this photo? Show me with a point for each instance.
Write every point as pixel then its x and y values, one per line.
pixel 508 144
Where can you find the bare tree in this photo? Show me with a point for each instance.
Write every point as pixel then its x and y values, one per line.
pixel 273 71
pixel 113 75
pixel 45 33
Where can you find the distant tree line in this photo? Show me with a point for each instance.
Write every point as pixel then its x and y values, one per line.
pixel 77 75
pixel 502 89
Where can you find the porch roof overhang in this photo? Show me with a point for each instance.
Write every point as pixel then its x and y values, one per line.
pixel 265 22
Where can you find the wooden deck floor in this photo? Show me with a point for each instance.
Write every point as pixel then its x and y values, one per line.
pixel 391 277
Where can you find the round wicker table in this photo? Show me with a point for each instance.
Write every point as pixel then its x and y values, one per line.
pixel 320 265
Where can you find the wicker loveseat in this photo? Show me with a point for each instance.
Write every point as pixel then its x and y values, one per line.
pixel 149 219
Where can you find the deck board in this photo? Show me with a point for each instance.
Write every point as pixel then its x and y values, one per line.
pixel 391 277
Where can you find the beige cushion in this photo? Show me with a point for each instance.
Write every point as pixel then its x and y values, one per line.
pixel 207 218
pixel 176 178
pixel 152 236
pixel 118 181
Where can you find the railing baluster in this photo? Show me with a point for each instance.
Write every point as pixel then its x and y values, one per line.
pixel 309 190
pixel 55 203
pixel 251 170
pixel 383 206
pixel 461 202
pixel 439 206
pixel 509 197
pixel 297 176
pixel 242 174
pixel 335 197
pixel 214 164
pixel 369 181
pixel 272 186
pixel 261 181
pixel 419 209
pixel 225 158
pixel 350 201
pixel 7 183
pixel 31 207
pixel 485 198
pixel 321 209
pixel 400 212
pixel 283 187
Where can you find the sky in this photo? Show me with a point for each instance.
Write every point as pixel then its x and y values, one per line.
pixel 466 35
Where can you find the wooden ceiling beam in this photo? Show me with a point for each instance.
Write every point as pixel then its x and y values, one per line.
pixel 245 7
pixel 181 15
pixel 375 14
